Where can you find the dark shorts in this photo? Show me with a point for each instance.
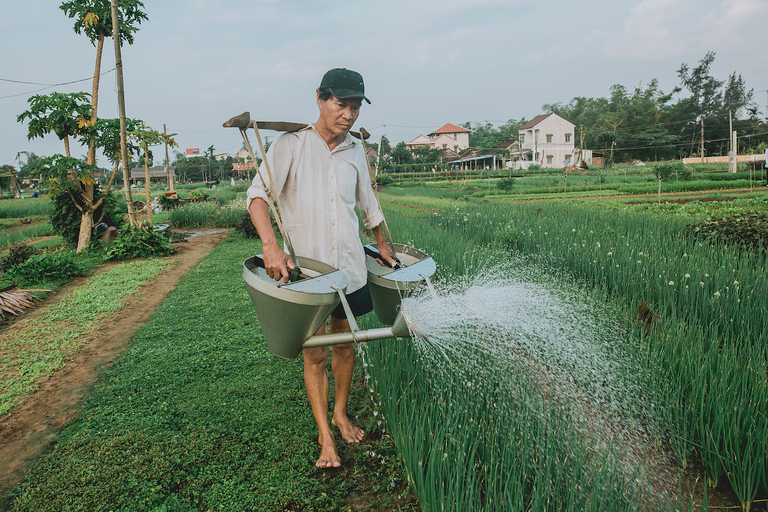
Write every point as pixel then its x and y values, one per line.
pixel 359 302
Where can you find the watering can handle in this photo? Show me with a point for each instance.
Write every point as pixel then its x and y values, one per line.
pixel 373 253
pixel 295 274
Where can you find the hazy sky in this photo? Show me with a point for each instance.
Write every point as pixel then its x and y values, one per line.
pixel 196 63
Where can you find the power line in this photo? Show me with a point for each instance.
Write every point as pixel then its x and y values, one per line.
pixel 47 86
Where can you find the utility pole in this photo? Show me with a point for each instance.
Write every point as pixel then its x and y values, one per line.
pixel 702 140
pixel 168 171
pixel 732 144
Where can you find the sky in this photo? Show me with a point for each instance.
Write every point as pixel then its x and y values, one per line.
pixel 196 63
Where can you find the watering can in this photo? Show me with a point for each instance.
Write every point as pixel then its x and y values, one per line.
pixel 291 313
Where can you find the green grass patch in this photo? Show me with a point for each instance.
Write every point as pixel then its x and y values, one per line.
pixel 23 208
pixel 41 347
pixel 197 414
pixel 9 238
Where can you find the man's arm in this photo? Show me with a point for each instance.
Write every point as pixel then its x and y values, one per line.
pixel 383 246
pixel 276 262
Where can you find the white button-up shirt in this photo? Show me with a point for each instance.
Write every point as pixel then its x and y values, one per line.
pixel 318 190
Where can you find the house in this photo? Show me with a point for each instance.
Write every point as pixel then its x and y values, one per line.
pixel 190 152
pixel 157 174
pixel 548 140
pixel 449 136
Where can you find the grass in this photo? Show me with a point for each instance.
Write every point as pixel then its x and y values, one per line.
pixel 40 346
pixel 9 238
pixel 23 208
pixel 197 414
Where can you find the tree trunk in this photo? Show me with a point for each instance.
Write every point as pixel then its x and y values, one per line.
pixel 86 223
pixel 66 147
pixel 147 190
pixel 121 108
pixel 86 227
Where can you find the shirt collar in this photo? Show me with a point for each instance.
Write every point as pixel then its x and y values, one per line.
pixel 348 141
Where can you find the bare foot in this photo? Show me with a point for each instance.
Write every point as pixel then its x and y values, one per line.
pixel 351 433
pixel 328 456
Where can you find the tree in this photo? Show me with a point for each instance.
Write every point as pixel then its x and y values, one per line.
pixel 605 140
pixel 66 115
pixel 94 18
pixel 400 154
pixel 146 137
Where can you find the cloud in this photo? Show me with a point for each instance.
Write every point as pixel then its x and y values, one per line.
pixel 660 29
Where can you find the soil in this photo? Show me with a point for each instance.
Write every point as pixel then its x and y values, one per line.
pixel 30 429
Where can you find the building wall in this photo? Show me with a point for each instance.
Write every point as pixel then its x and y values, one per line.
pixel 551 141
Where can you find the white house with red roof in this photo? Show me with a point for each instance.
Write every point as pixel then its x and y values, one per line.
pixel 448 136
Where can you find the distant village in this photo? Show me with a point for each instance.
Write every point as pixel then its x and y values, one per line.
pixel 546 141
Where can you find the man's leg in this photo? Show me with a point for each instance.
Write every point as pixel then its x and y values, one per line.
pixel 316 381
pixel 342 365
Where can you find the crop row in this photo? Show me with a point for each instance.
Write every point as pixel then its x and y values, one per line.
pixel 708 376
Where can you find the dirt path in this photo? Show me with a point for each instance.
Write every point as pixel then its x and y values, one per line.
pixel 29 430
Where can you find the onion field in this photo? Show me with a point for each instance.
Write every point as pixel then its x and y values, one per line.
pixel 488 418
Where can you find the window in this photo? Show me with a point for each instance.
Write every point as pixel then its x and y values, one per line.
pixel 522 139
pixel 549 158
pixel 549 138
pixel 567 137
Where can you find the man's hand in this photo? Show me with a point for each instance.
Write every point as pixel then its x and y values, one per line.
pixel 277 263
pixel 387 258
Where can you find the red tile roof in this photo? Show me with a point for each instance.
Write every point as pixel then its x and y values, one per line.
pixel 449 128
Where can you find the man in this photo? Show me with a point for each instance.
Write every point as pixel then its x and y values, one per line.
pixel 321 174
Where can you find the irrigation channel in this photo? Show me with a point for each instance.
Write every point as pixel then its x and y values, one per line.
pixel 539 397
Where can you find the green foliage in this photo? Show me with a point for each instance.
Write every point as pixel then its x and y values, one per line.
pixel 193 215
pixel 59 265
pixel 17 255
pixel 505 184
pixel 245 226
pixel 138 243
pixel 166 203
pixel 506 238
pixel 197 194
pixel 94 17
pixel 748 229
pixel 47 344
pixel 23 208
pixel 66 217
pixel 22 235
pixel 229 215
pixel 198 415
pixel 667 169
pixel 63 114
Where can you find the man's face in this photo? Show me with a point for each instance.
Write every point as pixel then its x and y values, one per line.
pixel 337 115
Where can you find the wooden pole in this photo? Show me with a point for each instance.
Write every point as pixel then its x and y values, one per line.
pixel 702 140
pixel 168 171
pixel 121 105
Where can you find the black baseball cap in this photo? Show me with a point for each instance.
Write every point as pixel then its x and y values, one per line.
pixel 344 83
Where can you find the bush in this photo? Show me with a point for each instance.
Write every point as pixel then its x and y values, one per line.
pixel 506 238
pixel 17 255
pixel 193 215
pixel 245 226
pixel 230 214
pixel 138 243
pixel 47 267
pixel 749 229
pixel 506 184
pixel 66 217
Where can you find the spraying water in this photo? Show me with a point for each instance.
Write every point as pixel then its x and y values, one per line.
pixel 520 314
pixel 543 319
